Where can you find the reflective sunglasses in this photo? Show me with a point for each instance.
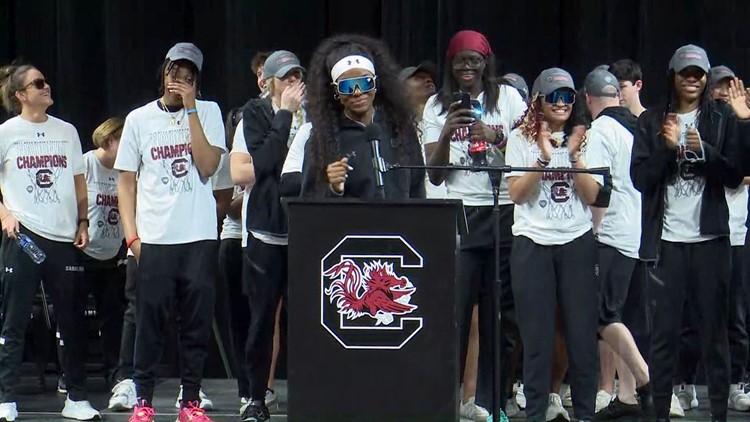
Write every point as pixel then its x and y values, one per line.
pixel 37 83
pixel 348 86
pixel 567 97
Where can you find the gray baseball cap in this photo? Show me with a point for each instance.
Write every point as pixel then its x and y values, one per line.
pixel 516 81
pixel 551 80
pixel 279 63
pixel 689 55
pixel 426 66
pixel 601 83
pixel 186 51
pixel 719 73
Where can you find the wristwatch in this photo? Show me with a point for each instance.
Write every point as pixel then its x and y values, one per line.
pixel 83 220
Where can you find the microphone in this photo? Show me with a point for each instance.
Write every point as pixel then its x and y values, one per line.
pixel 372 135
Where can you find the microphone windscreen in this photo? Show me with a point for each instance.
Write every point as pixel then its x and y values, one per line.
pixel 372 132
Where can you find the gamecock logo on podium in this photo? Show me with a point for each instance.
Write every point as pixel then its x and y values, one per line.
pixel 366 299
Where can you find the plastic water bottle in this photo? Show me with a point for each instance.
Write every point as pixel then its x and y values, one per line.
pixel 31 249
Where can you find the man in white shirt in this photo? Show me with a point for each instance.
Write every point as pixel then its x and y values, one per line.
pixel 175 144
pixel 610 143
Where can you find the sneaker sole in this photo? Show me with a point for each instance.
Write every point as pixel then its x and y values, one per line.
pixel 95 418
pixel 120 407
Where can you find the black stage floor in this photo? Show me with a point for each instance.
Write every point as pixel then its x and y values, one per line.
pixel 37 405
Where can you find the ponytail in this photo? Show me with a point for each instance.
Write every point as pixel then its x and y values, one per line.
pixel 12 77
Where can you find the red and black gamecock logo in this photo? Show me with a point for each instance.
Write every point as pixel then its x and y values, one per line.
pixel 180 167
pixel 44 178
pixel 367 301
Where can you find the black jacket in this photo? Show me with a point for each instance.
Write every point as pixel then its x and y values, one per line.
pixel 266 136
pixel 653 164
pixel 398 184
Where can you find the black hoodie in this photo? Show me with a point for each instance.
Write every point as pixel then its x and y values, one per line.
pixel 399 184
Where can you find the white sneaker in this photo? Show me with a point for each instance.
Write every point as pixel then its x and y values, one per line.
pixel 80 410
pixel 470 410
pixel 687 396
pixel 555 410
pixel 737 399
pixel 567 398
pixel 603 399
pixel 206 403
pixel 8 412
pixel 520 397
pixel 244 402
pixel 271 402
pixel 123 396
pixel 675 408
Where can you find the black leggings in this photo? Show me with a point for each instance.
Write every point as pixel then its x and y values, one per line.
pixel 545 277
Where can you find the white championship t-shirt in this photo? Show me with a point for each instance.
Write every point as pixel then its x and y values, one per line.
pixel 474 188
pixel 737 202
pixel 175 205
pixel 105 230
pixel 554 214
pixel 39 161
pixel 683 198
pixel 609 144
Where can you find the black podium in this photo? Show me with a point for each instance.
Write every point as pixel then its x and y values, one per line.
pixel 372 311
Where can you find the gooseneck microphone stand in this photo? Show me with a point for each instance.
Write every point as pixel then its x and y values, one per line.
pixel 496 173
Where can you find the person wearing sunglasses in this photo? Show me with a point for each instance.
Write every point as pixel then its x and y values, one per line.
pixel 685 222
pixel 42 178
pixel 174 145
pixel 260 146
pixel 553 259
pixel 449 133
pixel 354 84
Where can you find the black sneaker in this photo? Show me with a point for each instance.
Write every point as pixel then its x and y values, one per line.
pixel 255 413
pixel 646 400
pixel 617 409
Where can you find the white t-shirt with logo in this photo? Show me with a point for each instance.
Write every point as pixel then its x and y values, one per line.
pixel 105 229
pixel 474 188
pixel 38 162
pixel 175 205
pixel 609 144
pixel 737 201
pixel 683 198
pixel 554 214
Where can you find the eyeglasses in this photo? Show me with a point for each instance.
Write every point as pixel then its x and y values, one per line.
pixel 567 97
pixel 472 62
pixel 349 86
pixel 39 83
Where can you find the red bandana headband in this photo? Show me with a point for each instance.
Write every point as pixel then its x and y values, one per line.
pixel 469 40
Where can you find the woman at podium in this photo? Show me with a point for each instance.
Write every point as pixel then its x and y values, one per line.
pixel 360 121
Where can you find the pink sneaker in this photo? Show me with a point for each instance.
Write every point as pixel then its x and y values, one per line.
pixel 142 412
pixel 192 412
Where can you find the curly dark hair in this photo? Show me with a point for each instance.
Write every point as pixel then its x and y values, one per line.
pixel 324 111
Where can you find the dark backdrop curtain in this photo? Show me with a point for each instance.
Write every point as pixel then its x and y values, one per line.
pixel 101 56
